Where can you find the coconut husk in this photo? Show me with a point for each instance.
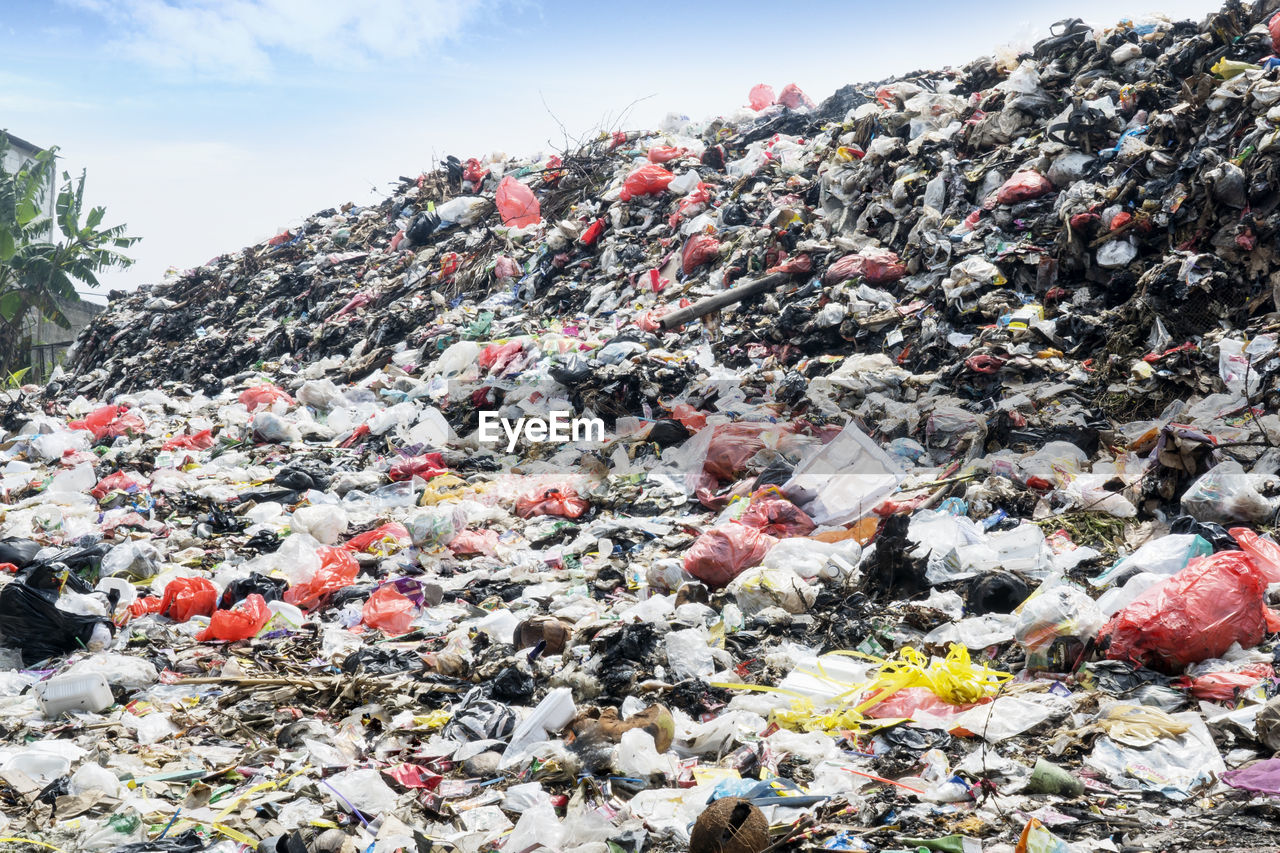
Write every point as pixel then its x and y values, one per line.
pixel 730 825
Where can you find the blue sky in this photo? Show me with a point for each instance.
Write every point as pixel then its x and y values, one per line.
pixel 207 125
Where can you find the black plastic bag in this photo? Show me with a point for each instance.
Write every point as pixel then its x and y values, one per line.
pixel 271 589
pixel 996 592
pixel 1215 534
pixel 81 560
pixel 19 552
pixel 478 718
pixel 570 372
pixel 31 620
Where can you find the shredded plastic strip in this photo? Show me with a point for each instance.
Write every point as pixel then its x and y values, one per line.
pixel 32 841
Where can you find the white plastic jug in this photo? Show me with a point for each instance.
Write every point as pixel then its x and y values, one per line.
pixel 85 692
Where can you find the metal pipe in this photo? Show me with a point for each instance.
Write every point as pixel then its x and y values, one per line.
pixel 729 297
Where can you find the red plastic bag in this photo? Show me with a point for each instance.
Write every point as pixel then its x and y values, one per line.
pixel 1264 553
pixel 911 702
pixel 261 396
pixel 562 502
pixel 119 481
pixel 239 623
pixel 649 179
pixel 1273 29
pixel 722 553
pixel 414 776
pixel 877 266
pixel 665 153
pixel 761 96
pixel 143 606
pixel 338 569
pixel 1023 186
pixel 699 249
pixel 474 171
pixel 648 321
pixel 201 440
pixel 426 466
pixel 385 539
pixel 592 234
pixel 1195 615
pixel 793 99
pixel 1226 686
pixel 388 610
pixel 474 542
pixel 496 357
pixel 516 204
pixel 777 517
pixel 110 422
pixel 504 267
pixel 733 444
pixel 187 597
pixel 689 417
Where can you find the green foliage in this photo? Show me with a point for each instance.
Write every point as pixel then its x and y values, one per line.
pixel 14 379
pixel 36 269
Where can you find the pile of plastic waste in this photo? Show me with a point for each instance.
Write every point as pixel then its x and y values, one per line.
pixel 891 473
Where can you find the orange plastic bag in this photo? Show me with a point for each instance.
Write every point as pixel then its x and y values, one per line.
pixel 388 610
pixel 261 396
pixel 697 251
pixel 563 502
pixel 187 597
pixel 338 569
pixel 1193 616
pixel 649 179
pixel 239 623
pixel 516 204
pixel 722 553
pixel 761 96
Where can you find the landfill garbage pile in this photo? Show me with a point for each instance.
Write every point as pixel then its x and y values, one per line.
pixel 893 473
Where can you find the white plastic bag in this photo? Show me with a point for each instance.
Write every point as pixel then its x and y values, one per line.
pixel 325 523
pixel 1226 494
pixel 688 654
pixel 844 480
pixel 761 587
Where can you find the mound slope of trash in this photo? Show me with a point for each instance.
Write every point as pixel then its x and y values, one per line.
pixel 895 472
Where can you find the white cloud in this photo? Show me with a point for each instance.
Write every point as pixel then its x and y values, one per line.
pixel 242 39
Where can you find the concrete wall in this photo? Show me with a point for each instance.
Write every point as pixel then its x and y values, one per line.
pixel 19 152
pixel 49 341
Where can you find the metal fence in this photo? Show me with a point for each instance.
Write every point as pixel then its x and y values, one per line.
pixel 44 358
